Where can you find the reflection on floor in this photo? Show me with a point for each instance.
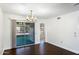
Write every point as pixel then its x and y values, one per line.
pixel 38 49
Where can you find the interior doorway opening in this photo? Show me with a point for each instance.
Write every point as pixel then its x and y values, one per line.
pixel 25 34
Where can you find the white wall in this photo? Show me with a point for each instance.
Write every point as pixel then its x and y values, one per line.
pixel 62 32
pixel 7 29
pixel 1 31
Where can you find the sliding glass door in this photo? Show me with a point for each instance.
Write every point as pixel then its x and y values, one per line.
pixel 25 33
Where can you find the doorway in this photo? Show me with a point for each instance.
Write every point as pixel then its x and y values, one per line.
pixel 25 33
pixel 42 33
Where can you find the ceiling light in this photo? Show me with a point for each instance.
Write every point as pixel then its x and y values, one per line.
pixel 30 17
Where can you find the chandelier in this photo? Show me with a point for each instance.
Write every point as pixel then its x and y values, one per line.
pixel 30 17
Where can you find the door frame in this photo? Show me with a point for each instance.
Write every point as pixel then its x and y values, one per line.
pixel 13 30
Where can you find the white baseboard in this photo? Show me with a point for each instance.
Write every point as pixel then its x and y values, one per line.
pixel 11 47
pixel 74 51
pixel 37 42
pixel 1 52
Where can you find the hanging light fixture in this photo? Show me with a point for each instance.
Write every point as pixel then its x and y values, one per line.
pixel 30 17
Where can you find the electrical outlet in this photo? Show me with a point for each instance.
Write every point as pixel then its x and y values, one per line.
pixel 61 42
pixel 75 34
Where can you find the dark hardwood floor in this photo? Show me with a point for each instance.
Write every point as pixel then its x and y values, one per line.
pixel 38 49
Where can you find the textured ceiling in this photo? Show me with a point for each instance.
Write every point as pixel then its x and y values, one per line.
pixel 41 10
